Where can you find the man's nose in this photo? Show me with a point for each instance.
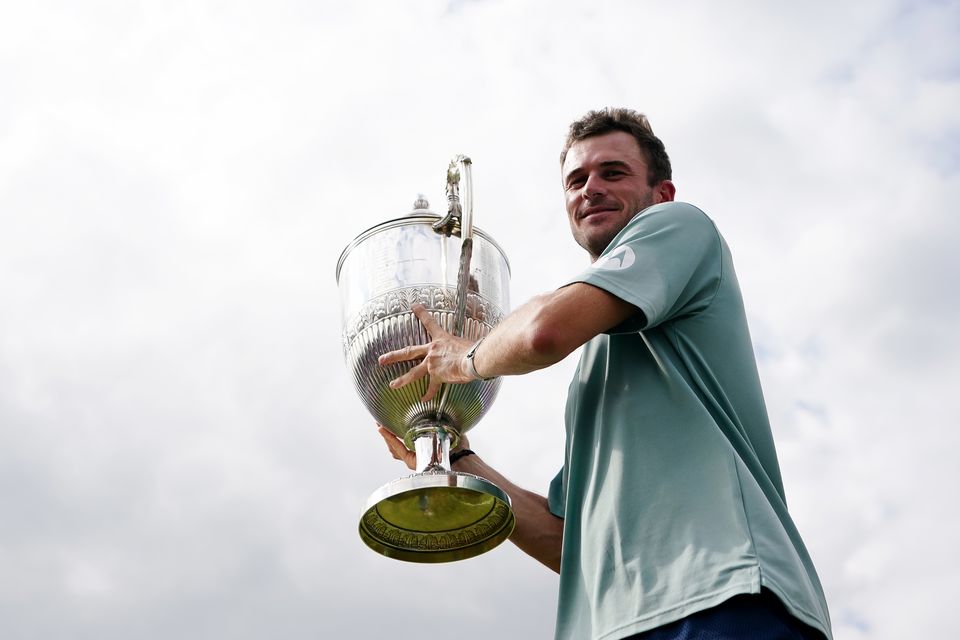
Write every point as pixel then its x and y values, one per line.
pixel 594 187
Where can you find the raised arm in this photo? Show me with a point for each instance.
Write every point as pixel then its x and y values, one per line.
pixel 538 334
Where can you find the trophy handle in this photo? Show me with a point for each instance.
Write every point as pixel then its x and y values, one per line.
pixel 464 167
pixel 459 218
pixel 459 212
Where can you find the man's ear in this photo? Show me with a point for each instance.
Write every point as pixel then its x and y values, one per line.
pixel 665 191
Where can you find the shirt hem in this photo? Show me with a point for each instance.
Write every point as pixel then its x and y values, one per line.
pixel 806 617
pixel 678 612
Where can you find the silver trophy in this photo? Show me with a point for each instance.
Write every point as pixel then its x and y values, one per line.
pixel 462 277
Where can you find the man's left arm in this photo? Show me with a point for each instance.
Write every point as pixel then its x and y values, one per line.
pixel 538 334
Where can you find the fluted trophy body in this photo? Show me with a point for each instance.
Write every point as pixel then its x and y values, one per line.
pixel 461 276
pixel 382 274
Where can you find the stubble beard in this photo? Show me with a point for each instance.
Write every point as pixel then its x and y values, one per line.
pixel 598 244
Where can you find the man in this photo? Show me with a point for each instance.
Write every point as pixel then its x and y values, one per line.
pixel 668 519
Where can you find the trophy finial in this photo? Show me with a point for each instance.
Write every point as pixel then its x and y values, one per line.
pixel 421 203
pixel 452 222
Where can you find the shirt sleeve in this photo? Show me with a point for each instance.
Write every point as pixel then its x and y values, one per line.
pixel 666 262
pixel 556 496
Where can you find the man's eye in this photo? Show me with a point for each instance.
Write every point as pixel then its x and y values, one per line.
pixel 576 183
pixel 613 174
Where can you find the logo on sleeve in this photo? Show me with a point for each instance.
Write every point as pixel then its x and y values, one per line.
pixel 617 260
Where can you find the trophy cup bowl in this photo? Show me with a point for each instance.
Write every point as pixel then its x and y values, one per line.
pixel 435 514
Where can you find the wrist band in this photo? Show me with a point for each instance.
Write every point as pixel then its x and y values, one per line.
pixel 456 455
pixel 473 365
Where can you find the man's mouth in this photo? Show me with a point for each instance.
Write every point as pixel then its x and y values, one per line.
pixel 597 208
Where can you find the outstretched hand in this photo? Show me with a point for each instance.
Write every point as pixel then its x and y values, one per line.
pixel 443 358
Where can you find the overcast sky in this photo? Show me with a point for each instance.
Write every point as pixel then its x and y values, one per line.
pixel 182 454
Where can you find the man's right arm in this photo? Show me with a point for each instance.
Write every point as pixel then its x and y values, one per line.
pixel 538 532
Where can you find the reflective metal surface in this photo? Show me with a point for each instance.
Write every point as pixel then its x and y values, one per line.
pixel 381 275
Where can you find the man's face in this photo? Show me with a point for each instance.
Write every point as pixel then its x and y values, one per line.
pixel 605 183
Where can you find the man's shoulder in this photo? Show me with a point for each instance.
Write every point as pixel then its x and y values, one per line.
pixel 668 220
pixel 671 213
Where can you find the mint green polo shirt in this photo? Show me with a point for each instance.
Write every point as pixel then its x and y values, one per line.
pixel 670 491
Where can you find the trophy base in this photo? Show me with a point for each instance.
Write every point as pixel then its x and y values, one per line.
pixel 436 517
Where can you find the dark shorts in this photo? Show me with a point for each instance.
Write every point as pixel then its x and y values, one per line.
pixel 758 616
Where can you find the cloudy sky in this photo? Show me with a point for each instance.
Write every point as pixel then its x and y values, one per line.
pixel 181 452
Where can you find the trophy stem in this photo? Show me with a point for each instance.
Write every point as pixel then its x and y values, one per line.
pixel 436 515
pixel 432 446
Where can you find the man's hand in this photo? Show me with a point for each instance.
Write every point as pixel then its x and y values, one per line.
pixel 443 358
pixel 397 449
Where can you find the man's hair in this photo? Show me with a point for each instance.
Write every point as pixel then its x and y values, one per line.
pixel 609 120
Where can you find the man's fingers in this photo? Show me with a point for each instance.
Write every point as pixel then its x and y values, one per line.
pixel 398 449
pixel 413 352
pixel 431 325
pixel 416 351
pixel 396 446
pixel 432 389
pixel 410 376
